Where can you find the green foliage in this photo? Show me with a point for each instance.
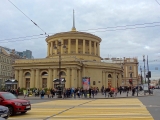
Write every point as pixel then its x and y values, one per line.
pixel 21 90
pixel 46 89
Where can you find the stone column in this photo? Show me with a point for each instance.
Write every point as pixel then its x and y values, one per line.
pixel 84 71
pixel 98 49
pixel 37 83
pixel 62 44
pixel 76 78
pixel 106 85
pixel 79 78
pixel 49 79
pixel 84 45
pixel 68 79
pixel 16 74
pixel 95 49
pixel 32 81
pixel 113 79
pixel 90 50
pixel 55 74
pixel 76 46
pixel 69 46
pixel 73 78
pixel 20 80
pixel 51 51
pixel 48 51
pixel 120 80
pixel 116 80
pixel 103 80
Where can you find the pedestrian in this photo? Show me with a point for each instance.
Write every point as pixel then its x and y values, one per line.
pixel 42 93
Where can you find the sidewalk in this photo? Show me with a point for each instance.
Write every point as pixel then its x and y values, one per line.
pixel 98 96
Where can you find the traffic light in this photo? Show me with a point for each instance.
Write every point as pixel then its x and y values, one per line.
pixel 130 81
pixel 149 74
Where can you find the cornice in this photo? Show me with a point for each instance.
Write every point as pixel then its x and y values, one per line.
pixel 73 34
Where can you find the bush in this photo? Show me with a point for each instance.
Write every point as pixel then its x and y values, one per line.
pixel 21 90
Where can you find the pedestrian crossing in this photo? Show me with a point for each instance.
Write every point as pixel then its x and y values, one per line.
pixel 89 109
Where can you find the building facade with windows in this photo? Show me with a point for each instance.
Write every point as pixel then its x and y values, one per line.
pixel 5 66
pixel 24 54
pixel 79 59
pixel 130 69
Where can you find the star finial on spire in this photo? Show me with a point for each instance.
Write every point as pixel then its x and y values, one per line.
pixel 73 28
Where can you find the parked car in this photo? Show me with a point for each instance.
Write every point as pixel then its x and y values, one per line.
pixel 4 112
pixel 13 103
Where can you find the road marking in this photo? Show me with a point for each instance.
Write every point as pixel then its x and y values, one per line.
pixel 91 109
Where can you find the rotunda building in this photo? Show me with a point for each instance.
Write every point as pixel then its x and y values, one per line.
pixel 83 45
pixel 73 56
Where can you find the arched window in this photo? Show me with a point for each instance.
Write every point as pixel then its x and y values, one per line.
pixel 63 73
pixel 44 74
pixel 130 68
pixel 27 74
pixel 109 76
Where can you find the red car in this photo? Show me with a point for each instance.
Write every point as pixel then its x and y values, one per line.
pixel 13 103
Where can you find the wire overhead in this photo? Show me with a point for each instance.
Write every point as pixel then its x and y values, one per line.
pixel 125 26
pixel 28 17
pixel 157 2
pixel 116 28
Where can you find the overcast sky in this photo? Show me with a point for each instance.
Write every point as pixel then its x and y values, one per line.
pixel 54 16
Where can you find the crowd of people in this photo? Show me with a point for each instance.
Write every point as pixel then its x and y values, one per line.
pixel 76 92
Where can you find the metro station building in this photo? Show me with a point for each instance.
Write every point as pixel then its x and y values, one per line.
pixel 78 56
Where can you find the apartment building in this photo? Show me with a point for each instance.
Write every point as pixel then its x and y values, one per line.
pixel 129 67
pixel 5 66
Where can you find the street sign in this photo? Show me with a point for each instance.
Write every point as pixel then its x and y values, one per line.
pixel 145 86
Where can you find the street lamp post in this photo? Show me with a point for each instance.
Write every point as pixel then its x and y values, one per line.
pixel 141 75
pixel 60 88
pixel 144 68
pixel 148 76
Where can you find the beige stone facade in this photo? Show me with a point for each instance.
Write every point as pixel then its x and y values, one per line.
pixel 130 69
pixel 5 66
pixel 80 58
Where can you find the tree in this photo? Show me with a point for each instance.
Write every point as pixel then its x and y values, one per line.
pixel 159 82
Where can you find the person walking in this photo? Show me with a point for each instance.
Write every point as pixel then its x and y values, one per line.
pixel 42 93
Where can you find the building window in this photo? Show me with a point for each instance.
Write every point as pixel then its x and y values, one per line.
pixel 44 74
pixel 109 76
pixel 44 83
pixel 94 82
pixel 130 75
pixel 63 73
pixel 27 74
pixel 130 68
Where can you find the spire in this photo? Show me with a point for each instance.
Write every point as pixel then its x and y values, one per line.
pixel 73 28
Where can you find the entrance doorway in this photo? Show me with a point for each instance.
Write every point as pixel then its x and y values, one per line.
pixel 44 82
pixel 27 83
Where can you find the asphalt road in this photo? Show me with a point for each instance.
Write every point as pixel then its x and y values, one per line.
pixel 152 103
